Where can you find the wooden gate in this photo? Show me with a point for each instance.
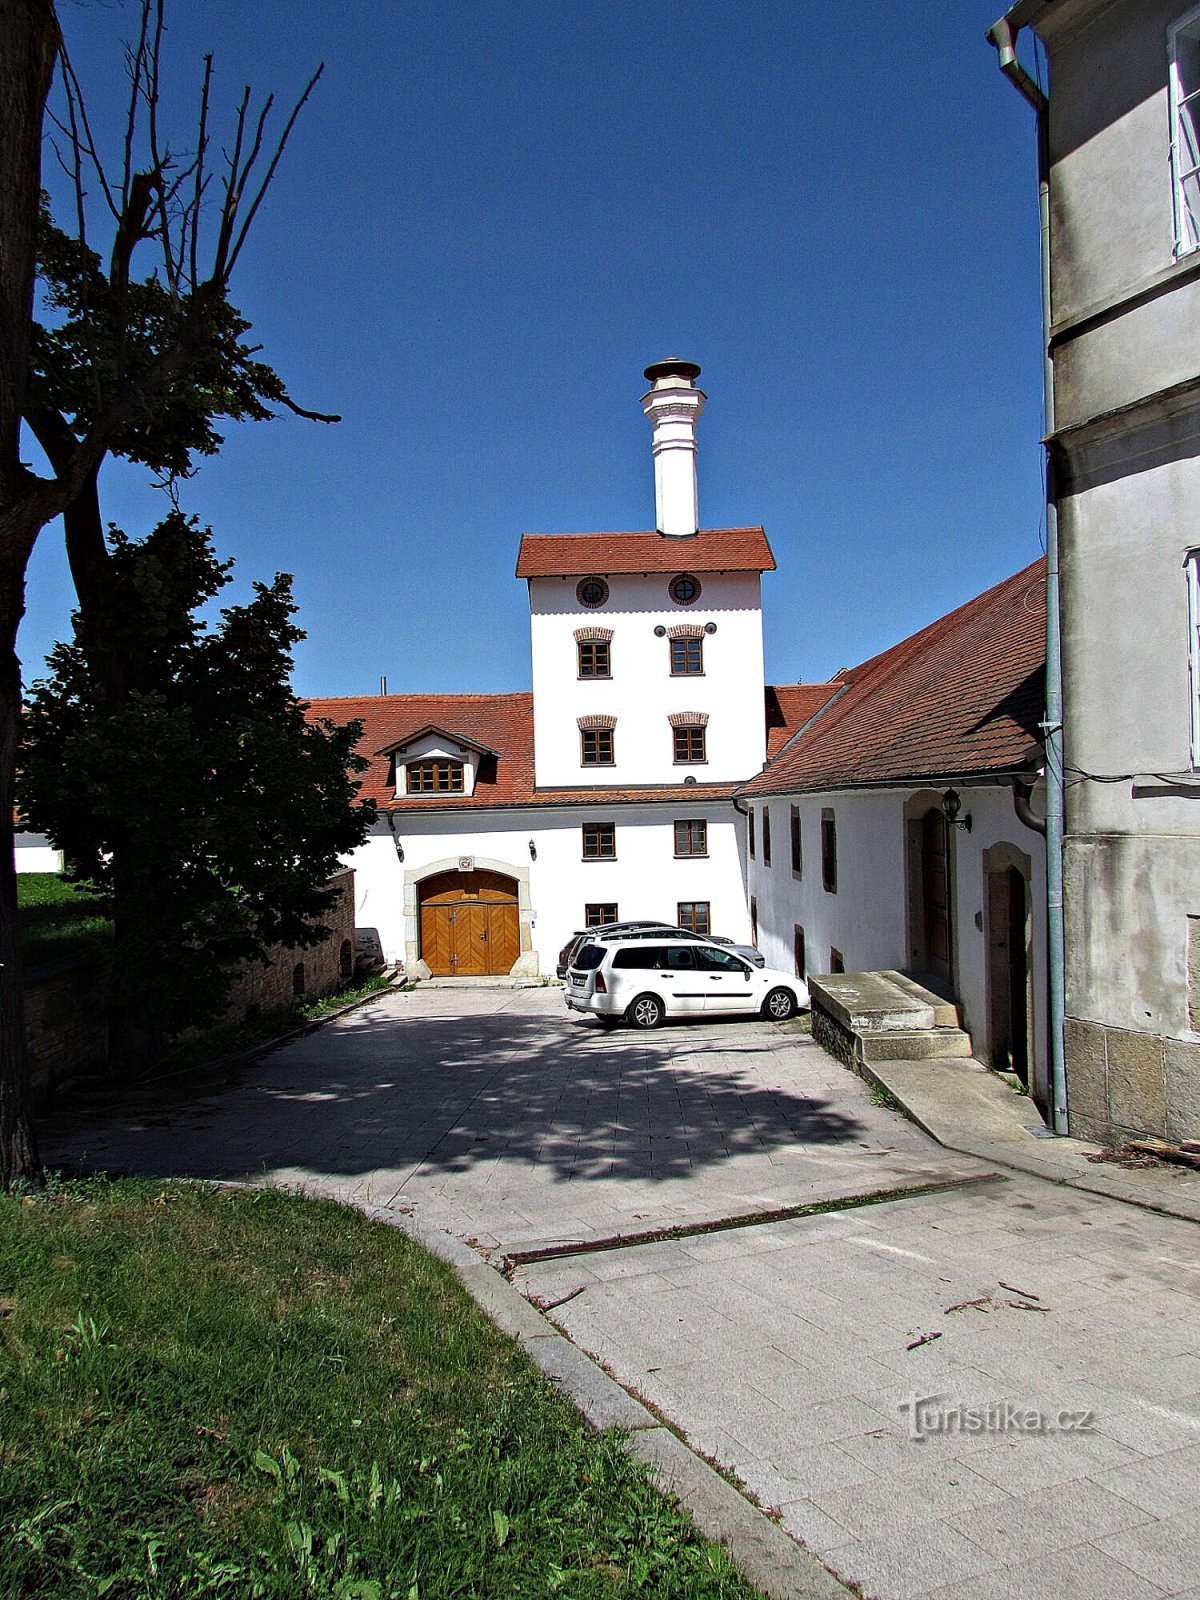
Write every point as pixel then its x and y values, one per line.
pixel 470 924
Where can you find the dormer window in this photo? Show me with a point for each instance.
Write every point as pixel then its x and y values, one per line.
pixel 434 777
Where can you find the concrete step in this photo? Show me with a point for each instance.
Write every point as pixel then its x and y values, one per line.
pixel 946 1013
pixel 923 1044
pixel 872 1002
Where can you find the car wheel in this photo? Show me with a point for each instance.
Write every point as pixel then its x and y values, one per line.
pixel 647 1011
pixel 779 1005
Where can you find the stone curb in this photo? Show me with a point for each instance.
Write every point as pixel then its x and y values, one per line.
pixel 767 1556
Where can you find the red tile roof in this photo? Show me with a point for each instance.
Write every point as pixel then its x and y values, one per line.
pixel 963 697
pixel 574 555
pixel 504 724
pixel 789 707
pixel 501 722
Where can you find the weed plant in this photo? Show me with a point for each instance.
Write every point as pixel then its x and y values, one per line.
pixel 252 1394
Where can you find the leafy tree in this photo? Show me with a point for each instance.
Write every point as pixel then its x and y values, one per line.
pixel 200 804
pixel 138 358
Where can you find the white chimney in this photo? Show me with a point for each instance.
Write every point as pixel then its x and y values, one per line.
pixel 674 405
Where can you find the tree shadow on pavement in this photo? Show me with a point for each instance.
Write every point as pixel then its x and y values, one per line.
pixel 377 1091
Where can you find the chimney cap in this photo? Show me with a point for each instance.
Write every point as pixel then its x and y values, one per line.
pixel 672 367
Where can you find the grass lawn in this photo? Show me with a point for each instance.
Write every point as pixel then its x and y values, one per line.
pixel 57 920
pixel 250 1394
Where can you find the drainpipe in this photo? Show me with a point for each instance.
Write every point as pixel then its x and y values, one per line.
pixel 1022 793
pixel 1003 36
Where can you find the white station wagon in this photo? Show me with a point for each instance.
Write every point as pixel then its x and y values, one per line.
pixel 647 980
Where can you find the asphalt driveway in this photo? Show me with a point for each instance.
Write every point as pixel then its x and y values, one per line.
pixel 496 1115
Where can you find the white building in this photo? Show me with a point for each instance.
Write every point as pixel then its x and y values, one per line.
pixel 622 786
pixel 508 821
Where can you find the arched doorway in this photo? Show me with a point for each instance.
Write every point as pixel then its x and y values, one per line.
pixel 1009 959
pixel 929 870
pixel 470 924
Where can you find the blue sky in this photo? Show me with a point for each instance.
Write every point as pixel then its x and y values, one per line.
pixel 491 218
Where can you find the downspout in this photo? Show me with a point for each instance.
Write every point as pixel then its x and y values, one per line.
pixel 1022 793
pixel 1003 36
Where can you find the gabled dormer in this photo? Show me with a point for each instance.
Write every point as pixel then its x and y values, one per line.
pixel 434 761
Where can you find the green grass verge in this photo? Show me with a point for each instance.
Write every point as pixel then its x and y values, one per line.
pixel 57 920
pixel 251 1394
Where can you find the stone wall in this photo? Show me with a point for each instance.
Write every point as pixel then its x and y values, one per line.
pixel 300 974
pixel 1122 1084
pixel 64 1005
pixel 65 1024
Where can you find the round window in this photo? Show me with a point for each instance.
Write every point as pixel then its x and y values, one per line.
pixel 592 592
pixel 685 589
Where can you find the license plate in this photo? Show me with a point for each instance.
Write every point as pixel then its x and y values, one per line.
pixel 578 980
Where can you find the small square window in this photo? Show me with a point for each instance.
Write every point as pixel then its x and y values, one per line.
pixel 596 747
pixel 599 841
pixel 691 837
pixel 595 660
pixel 689 746
pixel 687 657
pixel 693 915
pixel 597 912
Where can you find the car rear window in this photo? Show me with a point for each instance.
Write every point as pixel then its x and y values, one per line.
pixel 588 958
pixel 645 957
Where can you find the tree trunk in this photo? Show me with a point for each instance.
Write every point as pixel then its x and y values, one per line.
pixel 28 43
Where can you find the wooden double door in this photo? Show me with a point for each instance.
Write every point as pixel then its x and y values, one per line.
pixel 470 924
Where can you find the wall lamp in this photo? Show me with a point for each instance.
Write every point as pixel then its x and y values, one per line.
pixel 951 806
pixel 532 851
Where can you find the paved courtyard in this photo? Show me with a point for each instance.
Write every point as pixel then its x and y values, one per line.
pixel 990 1390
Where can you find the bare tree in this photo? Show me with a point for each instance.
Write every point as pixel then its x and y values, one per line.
pixel 135 361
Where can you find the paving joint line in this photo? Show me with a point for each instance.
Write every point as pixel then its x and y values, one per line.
pixel 754 1219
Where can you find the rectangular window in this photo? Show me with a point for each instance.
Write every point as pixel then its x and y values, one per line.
pixel 754 921
pixel 766 836
pixel 837 962
pixel 797 844
pixel 687 657
pixel 829 850
pixel 693 915
pixel 435 777
pixel 596 747
pixel 691 838
pixel 599 842
pixel 689 746
pixel 750 831
pixel 594 659
pixel 1192 569
pixel 598 912
pixel 798 957
pixel 1184 40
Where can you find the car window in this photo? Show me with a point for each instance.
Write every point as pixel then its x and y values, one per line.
pixel 677 957
pixel 589 957
pixel 712 960
pixel 643 956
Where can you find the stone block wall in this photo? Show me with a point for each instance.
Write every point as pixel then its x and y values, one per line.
pixel 65 1024
pixel 300 974
pixel 1124 1085
pixel 65 1005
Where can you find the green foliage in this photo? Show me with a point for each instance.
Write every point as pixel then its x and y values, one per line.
pixel 167 364
pixel 183 782
pixel 248 1393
